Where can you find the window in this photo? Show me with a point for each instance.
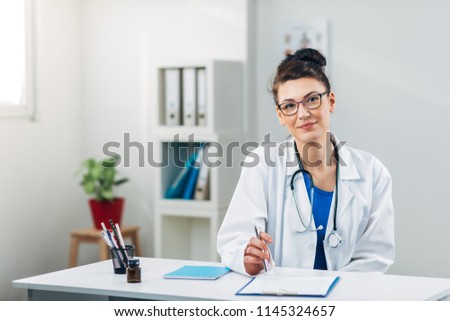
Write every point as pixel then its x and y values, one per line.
pixel 16 52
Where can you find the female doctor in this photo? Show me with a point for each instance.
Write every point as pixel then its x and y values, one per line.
pixel 316 209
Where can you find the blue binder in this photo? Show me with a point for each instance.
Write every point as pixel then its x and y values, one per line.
pixel 191 182
pixel 189 190
pixel 176 190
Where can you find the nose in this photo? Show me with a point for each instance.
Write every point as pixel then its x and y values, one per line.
pixel 303 112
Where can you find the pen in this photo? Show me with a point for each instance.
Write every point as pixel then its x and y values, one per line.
pixel 106 239
pixel 264 260
pixel 103 227
pixel 111 242
pixel 122 243
pixel 116 234
pixel 106 235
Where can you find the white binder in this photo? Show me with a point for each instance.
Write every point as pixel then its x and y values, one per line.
pixel 202 185
pixel 189 100
pixel 172 96
pixel 201 97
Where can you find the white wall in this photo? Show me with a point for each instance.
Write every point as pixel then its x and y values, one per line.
pixel 389 69
pixel 40 200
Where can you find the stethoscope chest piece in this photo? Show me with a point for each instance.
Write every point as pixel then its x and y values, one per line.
pixel 334 240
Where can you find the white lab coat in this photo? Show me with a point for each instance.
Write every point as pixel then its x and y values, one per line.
pixel 365 216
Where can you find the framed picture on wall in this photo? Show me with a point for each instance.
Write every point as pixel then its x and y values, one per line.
pixel 305 34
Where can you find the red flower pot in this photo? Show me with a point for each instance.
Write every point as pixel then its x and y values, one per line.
pixel 103 211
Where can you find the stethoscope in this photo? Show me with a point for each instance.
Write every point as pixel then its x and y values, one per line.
pixel 333 239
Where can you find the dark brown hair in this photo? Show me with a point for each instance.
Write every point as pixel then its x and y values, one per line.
pixel 304 63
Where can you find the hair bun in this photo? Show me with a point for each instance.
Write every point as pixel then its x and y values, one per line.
pixel 310 55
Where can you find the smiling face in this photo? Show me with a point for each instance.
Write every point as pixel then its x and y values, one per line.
pixel 308 125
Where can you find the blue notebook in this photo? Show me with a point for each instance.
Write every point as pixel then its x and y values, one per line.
pixel 192 272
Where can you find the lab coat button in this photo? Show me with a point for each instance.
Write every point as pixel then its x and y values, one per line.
pixel 311 247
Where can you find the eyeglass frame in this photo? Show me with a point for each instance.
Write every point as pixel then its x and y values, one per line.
pixel 301 102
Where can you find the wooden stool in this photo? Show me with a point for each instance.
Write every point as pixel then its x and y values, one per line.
pixel 92 235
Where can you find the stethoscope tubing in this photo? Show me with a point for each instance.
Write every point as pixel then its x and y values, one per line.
pixel 333 239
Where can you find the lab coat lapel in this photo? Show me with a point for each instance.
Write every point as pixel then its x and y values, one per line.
pixel 348 172
pixel 290 159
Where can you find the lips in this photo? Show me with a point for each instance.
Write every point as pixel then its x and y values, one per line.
pixel 307 125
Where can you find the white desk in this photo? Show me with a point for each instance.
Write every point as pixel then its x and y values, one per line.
pixel 98 282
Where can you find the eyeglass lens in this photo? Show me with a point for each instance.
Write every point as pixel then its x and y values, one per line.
pixel 290 107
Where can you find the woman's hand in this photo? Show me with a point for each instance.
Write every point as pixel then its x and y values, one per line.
pixel 256 252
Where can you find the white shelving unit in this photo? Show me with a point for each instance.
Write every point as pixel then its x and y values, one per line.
pixel 187 229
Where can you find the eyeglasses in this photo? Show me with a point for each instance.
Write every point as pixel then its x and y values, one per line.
pixel 290 107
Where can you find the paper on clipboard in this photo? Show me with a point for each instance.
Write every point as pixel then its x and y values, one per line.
pixel 269 284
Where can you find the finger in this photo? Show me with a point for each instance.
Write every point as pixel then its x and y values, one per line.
pixel 257 243
pixel 254 260
pixel 257 252
pixel 265 237
pixel 252 255
pixel 253 268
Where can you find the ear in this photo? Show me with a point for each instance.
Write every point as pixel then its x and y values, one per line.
pixel 280 116
pixel 332 100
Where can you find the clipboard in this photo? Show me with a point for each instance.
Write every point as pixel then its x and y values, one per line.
pixel 283 285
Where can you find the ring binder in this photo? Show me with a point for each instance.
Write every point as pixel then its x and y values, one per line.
pixel 172 96
pixel 189 97
pixel 201 97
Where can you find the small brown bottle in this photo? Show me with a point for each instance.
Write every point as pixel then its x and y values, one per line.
pixel 133 271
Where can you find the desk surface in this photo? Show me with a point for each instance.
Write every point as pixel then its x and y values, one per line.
pixel 98 279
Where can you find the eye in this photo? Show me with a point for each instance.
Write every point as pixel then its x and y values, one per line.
pixel 288 105
pixel 312 99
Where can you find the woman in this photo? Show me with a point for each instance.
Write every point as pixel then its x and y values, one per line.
pixel 350 224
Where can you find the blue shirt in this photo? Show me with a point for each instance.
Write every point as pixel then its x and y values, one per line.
pixel 321 212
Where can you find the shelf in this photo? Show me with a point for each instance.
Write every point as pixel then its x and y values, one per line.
pixel 223 94
pixel 222 177
pixel 186 238
pixel 187 228
pixel 188 207
pixel 189 133
pixel 187 234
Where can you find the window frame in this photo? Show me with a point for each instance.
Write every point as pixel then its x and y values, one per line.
pixel 27 108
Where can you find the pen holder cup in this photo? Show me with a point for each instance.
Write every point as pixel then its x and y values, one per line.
pixel 119 262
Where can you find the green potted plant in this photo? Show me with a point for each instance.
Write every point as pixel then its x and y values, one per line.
pixel 98 181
